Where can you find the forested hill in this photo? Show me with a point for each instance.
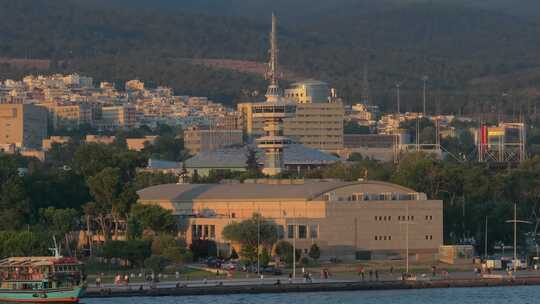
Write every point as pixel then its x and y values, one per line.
pixel 454 42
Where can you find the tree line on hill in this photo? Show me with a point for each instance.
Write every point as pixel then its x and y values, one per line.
pixel 472 56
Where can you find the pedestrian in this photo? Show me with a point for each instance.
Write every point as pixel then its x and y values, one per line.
pixel 126 279
pixel 290 278
pixel 370 274
pixel 217 273
pixel 433 271
pixel 98 281
pixel 391 269
pixel 376 275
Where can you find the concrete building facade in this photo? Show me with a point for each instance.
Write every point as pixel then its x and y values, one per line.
pixel 198 140
pixel 23 125
pixel 347 220
pixel 316 125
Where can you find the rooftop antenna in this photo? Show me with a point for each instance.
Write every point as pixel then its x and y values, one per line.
pixel 273 92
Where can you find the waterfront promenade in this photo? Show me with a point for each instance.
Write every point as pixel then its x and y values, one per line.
pixel 282 284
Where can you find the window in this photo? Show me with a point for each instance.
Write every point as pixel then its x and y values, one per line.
pixel 302 231
pixel 314 231
pixel 212 231
pixel 290 231
pixel 389 237
pixel 375 238
pixel 376 218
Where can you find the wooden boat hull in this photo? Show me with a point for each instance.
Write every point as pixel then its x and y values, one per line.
pixel 62 295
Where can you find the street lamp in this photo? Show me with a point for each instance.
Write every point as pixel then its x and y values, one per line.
pixel 406 223
pixel 425 79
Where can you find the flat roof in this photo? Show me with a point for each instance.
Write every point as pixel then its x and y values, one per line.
pixel 309 190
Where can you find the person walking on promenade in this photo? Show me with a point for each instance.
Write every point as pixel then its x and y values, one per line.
pixel 370 274
pixel 290 278
pixel 376 275
pixel 98 281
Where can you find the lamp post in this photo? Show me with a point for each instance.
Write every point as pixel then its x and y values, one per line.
pixel 258 244
pixel 406 222
pixel 398 97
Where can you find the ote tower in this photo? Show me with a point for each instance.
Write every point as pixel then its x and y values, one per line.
pixel 273 111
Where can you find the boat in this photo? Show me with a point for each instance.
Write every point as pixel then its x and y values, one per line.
pixel 48 279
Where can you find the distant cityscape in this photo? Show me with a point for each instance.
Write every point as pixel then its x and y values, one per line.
pixel 37 104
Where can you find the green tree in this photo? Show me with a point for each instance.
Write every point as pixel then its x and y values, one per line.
pixel 154 217
pixel 251 232
pixel 264 257
pixel 60 222
pixel 314 252
pixel 156 263
pixel 14 204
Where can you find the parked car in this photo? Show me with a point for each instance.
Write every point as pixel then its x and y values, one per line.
pixel 229 266
pixel 213 263
pixel 273 270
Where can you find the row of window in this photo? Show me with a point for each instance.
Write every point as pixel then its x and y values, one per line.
pixel 387 196
pixel 203 231
pixel 383 238
pixel 379 218
pixel 301 231
pixel 429 237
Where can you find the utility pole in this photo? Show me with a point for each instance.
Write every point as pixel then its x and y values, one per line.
pixel 486 240
pixel 398 97
pixel 425 78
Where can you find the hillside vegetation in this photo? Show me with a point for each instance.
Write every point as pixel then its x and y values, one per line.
pixel 453 42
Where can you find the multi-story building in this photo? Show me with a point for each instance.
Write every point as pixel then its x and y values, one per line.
pixel 347 220
pixel 48 143
pixel 23 125
pixel 137 144
pixel 316 124
pixel 68 114
pixel 113 117
pixel 198 140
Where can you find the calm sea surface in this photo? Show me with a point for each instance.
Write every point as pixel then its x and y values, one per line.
pixel 494 295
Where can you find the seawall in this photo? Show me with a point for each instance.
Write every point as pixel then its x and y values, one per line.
pixel 310 287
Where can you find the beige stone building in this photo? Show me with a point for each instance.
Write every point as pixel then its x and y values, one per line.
pixel 198 140
pixel 347 220
pixel 114 117
pixel 68 114
pixel 49 142
pixel 23 125
pixel 137 144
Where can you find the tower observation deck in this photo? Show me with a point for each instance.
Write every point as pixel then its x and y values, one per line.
pixel 273 111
